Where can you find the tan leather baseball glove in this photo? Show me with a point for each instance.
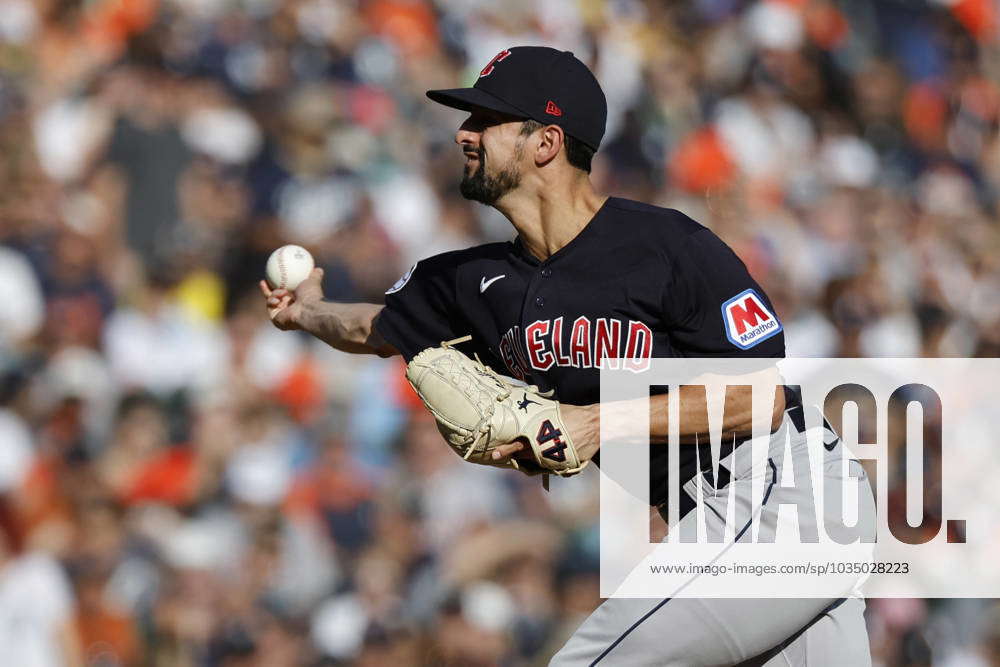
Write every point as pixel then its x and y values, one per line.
pixel 477 410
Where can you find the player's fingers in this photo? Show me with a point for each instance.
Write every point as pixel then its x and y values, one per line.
pixel 276 305
pixel 280 296
pixel 503 451
pixel 265 288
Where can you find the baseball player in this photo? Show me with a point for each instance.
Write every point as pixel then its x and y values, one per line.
pixel 589 278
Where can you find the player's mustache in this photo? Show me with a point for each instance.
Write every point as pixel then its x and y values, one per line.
pixel 480 152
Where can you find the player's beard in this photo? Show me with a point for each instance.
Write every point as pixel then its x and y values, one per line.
pixel 487 189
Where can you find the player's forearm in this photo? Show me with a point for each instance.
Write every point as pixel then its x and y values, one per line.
pixel 693 422
pixel 584 422
pixel 349 327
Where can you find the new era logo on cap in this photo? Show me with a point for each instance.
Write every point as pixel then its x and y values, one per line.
pixel 748 320
pixel 552 109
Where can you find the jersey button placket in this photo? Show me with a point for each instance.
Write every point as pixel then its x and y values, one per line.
pixel 544 273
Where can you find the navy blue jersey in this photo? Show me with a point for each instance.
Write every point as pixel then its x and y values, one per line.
pixel 637 282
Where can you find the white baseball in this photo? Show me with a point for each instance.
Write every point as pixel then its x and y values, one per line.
pixel 288 266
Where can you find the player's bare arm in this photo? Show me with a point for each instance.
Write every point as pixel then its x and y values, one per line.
pixel 737 413
pixel 584 421
pixel 349 327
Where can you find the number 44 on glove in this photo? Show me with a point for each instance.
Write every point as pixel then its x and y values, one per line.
pixel 477 411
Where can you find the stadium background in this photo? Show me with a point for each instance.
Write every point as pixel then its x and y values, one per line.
pixel 184 485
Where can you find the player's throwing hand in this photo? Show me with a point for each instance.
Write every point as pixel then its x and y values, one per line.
pixel 287 308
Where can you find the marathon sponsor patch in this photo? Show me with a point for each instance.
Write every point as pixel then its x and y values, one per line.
pixel 748 320
pixel 401 283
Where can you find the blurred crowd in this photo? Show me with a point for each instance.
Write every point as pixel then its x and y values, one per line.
pixel 182 484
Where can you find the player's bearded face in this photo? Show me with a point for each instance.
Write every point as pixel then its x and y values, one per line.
pixel 481 184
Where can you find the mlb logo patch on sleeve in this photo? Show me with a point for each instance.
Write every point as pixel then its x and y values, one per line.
pixel 401 283
pixel 748 320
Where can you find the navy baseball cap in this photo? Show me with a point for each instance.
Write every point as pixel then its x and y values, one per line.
pixel 547 85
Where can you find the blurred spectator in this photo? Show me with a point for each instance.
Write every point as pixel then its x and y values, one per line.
pixel 108 635
pixel 36 601
pixel 22 317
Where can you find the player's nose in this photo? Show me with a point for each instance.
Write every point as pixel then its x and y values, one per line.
pixel 466 137
pixel 468 132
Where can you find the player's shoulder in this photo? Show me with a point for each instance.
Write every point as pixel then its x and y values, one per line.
pixel 656 219
pixel 666 229
pixel 441 269
pixel 454 259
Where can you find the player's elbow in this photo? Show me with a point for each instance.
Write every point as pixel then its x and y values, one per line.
pixel 744 415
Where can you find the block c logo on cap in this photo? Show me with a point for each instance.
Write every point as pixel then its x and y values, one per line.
pixel 748 320
pixel 486 71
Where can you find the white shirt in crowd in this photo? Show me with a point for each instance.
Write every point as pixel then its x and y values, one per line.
pixel 36 602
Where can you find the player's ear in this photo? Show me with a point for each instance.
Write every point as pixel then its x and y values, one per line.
pixel 549 144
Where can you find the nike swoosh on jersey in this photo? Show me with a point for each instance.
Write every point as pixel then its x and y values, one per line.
pixel 484 284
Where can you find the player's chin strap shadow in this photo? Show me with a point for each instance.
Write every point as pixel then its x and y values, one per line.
pixel 512 381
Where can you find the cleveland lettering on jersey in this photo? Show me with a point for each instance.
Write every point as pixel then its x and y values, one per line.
pixel 584 344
